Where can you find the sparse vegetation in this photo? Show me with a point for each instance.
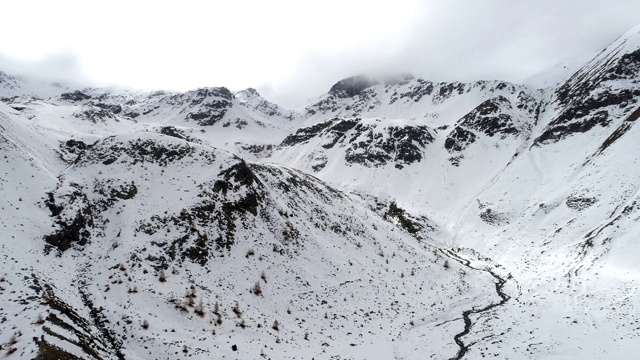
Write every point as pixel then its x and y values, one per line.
pixel 192 291
pixel 216 308
pixel 199 310
pixel 236 310
pixel 257 289
pixel 12 341
pixel 14 338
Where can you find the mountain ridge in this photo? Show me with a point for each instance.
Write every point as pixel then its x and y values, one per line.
pixel 394 217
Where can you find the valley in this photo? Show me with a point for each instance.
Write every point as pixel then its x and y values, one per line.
pixel 389 218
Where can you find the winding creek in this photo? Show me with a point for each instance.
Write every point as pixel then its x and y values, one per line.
pixel 466 315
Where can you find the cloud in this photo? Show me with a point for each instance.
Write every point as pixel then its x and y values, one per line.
pixel 294 50
pixel 55 67
pixel 449 40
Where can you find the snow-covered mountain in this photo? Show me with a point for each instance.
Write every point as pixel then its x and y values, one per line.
pixel 394 218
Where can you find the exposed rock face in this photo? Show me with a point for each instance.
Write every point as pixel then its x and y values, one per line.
pixel 253 100
pixel 360 96
pixel 114 108
pixel 459 139
pixel 401 145
pixel 490 118
pixel 213 103
pixel 74 217
pixel 75 96
pixel 179 134
pixel 365 143
pixel 351 87
pixel 605 89
pixel 493 117
pixel 95 114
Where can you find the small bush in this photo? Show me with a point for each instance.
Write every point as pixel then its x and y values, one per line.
pixel 190 301
pixel 257 289
pixel 14 338
pixel 236 310
pixel 199 310
pixel 216 308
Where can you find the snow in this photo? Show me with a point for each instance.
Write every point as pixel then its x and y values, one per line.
pixel 376 259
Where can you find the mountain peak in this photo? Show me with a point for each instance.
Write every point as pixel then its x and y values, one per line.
pixel 247 95
pixel 8 81
pixel 365 227
pixel 352 86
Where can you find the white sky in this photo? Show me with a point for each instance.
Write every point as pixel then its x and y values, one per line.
pixel 292 50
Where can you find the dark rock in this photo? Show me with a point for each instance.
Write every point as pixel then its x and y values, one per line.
pixel 580 203
pixel 132 114
pixel 583 98
pixel 305 134
pixel 257 149
pixel 351 86
pixel 493 217
pixel 459 139
pixel 366 145
pixel 172 131
pixel 73 227
pixel 75 96
pixel 95 115
pixel 114 108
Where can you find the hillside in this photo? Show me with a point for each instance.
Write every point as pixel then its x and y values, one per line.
pixel 392 218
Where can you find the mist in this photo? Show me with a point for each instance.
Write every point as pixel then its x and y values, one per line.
pixel 294 51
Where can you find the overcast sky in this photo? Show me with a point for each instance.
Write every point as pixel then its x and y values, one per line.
pixel 294 50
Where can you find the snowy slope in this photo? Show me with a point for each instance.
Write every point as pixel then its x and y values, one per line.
pixel 11 85
pixel 396 218
pixel 132 207
pixel 545 186
pixel 426 162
